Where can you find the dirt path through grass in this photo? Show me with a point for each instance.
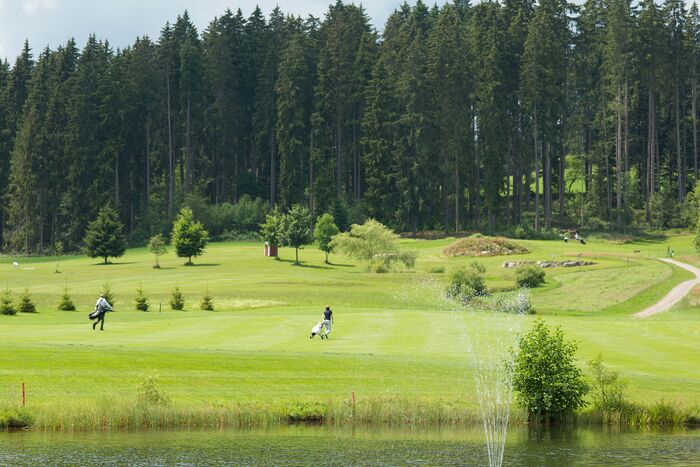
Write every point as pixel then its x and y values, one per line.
pixel 675 295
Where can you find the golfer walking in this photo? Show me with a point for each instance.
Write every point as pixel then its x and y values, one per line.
pixel 327 320
pixel 101 308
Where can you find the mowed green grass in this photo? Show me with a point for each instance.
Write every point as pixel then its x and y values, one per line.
pixel 394 336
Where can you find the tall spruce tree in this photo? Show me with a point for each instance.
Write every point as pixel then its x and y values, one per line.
pixel 105 236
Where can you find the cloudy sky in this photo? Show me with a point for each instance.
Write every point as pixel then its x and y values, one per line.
pixel 52 22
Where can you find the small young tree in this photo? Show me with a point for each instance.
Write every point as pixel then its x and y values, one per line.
pixel 207 303
pixel 189 236
pixel 26 305
pixel 108 293
pixel 608 392
pixel 297 228
pixel 7 307
pixel 272 231
pixel 156 245
pixel 105 236
pixel 324 231
pixel 141 299
pixel 177 300
pixel 66 304
pixel 545 376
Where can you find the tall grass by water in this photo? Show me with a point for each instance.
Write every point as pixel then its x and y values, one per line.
pixel 122 414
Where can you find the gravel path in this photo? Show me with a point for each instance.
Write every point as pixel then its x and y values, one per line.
pixel 675 295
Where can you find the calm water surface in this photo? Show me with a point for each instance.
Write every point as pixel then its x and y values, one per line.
pixel 322 446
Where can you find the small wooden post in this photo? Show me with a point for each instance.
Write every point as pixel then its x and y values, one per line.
pixel 23 395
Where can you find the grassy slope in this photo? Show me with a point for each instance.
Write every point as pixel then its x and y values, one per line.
pixel 393 335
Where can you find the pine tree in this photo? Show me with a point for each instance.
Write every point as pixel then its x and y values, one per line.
pixel 7 306
pixel 177 299
pixel 108 293
pixel 207 303
pixel 293 119
pixel 66 304
pixel 141 299
pixel 105 236
pixel 26 305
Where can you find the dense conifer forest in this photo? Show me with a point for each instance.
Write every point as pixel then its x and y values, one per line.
pixel 496 115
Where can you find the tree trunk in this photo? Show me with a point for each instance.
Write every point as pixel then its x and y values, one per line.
pixel 171 162
pixel 562 181
pixel 650 150
pixel 338 156
pixel 116 179
pixel 537 172
pixel 148 164
pixel 625 178
pixel 188 138
pixel 679 157
pixel 458 196
pixel 547 178
pixel 695 129
pixel 273 170
pixel 618 156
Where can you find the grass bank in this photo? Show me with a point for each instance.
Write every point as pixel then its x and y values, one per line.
pixel 406 353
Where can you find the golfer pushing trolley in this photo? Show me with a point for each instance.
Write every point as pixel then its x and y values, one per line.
pixel 325 322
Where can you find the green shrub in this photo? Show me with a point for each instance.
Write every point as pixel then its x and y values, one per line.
pixel 7 307
pixel 437 269
pixel 521 232
pixel 465 284
pixel 177 300
pixel 141 299
pixel 14 418
pixel 546 379
pixel 306 412
pixel 66 304
pixel 207 304
pixel 389 261
pixel 529 275
pixel 26 305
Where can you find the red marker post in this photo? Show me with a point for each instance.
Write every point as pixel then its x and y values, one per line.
pixel 23 395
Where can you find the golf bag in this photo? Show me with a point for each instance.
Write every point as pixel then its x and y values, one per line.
pixel 316 329
pixel 95 314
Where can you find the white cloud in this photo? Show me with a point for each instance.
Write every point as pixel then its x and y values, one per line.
pixel 31 7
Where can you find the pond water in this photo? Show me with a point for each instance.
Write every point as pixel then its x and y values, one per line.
pixel 323 446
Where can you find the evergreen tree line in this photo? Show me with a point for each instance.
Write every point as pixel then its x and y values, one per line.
pixel 456 117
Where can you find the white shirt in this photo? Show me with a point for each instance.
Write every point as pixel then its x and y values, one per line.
pixel 102 304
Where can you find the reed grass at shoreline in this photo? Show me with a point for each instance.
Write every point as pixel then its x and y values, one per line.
pixel 127 415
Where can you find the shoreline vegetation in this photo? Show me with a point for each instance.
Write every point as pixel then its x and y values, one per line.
pixel 126 415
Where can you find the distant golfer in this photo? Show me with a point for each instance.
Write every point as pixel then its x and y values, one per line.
pixel 327 320
pixel 101 308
